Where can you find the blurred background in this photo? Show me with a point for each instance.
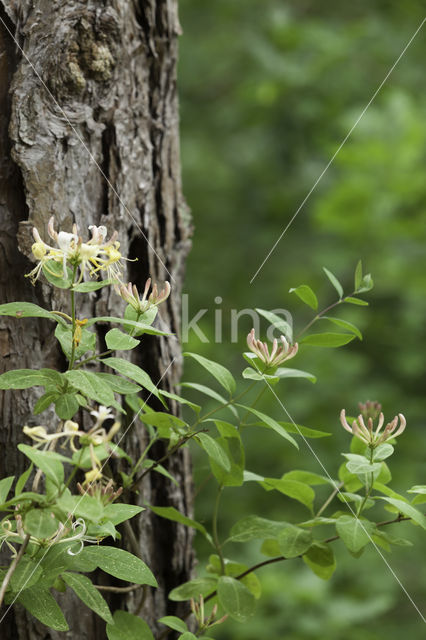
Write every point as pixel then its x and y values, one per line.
pixel 268 91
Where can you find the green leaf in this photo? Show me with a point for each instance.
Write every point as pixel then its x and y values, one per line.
pixel 222 375
pixel 118 512
pixel 166 423
pixel 119 341
pixel 64 335
pixel 174 623
pixel 43 606
pixel 360 464
pixel 420 490
pixel 206 390
pixel 147 317
pixel 27 573
pixel 308 477
pixel 128 627
pixel 334 281
pixel 180 400
pixel 269 422
pixel 144 328
pixel 5 486
pixel 158 468
pixel 40 523
pixel 45 401
pixel 304 431
pixel 82 457
pixel 85 287
pixel 345 324
pixel 193 589
pixel 187 636
pixel 407 509
pixel 354 532
pixel 270 548
pixel 87 507
pixel 235 598
pixel 366 284
pixel 291 488
pixel 133 372
pixel 358 275
pixel 252 374
pixel 347 496
pixel 327 339
pixel 279 323
pixel 214 450
pixel 230 441
pixel 92 387
pixel 22 480
pixel 382 452
pixel 48 461
pixel 283 372
pixel 293 541
pixel 120 564
pixel 118 384
pixel 320 559
pixel 170 513
pixel 26 378
pixel 358 301
pixel 66 406
pixel 56 559
pixel 254 527
pixel 84 589
pixel 27 310
pixel 54 273
pixel 306 294
pixel 350 480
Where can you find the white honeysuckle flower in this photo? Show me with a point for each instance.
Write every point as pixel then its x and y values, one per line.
pixel 93 256
pixel 101 414
pixel 366 432
pixel 71 430
pixel 278 355
pixel 38 434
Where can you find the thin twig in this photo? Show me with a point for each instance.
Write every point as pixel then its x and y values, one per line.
pixel 132 587
pixel 330 498
pixel 12 568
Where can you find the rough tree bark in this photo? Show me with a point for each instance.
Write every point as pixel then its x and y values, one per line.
pixel 89 133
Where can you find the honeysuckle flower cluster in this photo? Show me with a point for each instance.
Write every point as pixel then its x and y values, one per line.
pixel 366 432
pixel 71 430
pixel 93 256
pixel 96 436
pixel 278 354
pixel 130 294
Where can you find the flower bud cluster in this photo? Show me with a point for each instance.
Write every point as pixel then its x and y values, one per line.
pixel 130 294
pixel 278 354
pixel 374 436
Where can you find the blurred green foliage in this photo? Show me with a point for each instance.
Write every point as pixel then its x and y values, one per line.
pixel 268 92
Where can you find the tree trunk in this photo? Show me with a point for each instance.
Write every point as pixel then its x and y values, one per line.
pixel 89 133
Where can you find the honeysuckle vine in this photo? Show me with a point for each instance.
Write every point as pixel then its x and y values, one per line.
pixel 59 530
